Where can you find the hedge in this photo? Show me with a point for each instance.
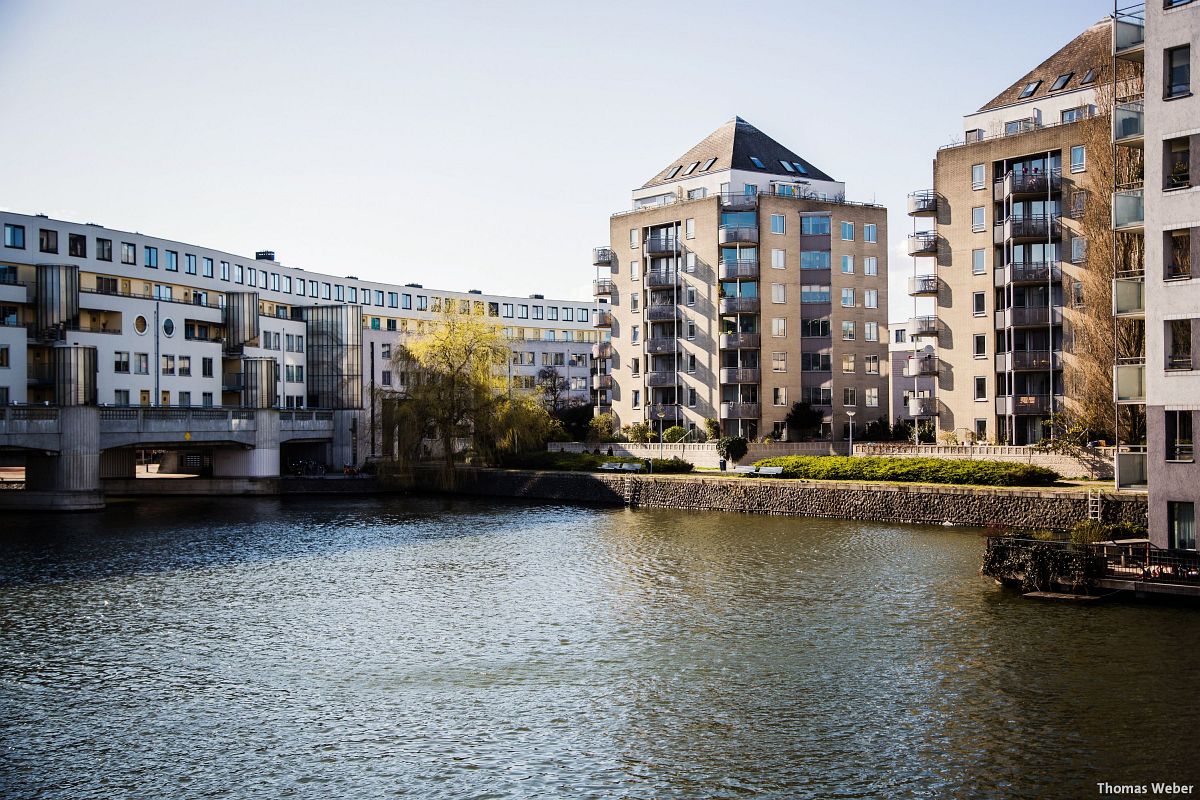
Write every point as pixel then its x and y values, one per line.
pixel 587 462
pixel 912 470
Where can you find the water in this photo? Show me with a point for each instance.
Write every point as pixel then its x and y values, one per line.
pixel 367 648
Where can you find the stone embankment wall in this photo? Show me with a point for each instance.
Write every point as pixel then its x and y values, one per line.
pixel 1009 508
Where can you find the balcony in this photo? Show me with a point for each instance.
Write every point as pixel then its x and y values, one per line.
pixel 603 400
pixel 739 305
pixel 738 201
pixel 232 382
pixel 662 246
pixel 1129 381
pixel 603 319
pixel 737 234
pixel 922 407
pixel 921 367
pixel 740 375
pixel 1129 298
pixel 923 286
pixel 1028 361
pixel 1026 404
pixel 1131 467
pixel 602 382
pixel 602 350
pixel 1129 125
pixel 1028 317
pixel 662 344
pixel 924 243
pixel 1023 184
pixel 602 256
pixel 1129 211
pixel 661 312
pixel 1030 272
pixel 661 378
pixel 740 341
pixel 923 326
pixel 603 287
pixel 740 410
pixel 1034 228
pixel 741 268
pixel 923 203
pixel 1129 37
pixel 661 278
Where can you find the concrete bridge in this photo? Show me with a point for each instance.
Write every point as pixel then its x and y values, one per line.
pixel 68 450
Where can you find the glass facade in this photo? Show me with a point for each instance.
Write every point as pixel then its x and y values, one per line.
pixel 334 356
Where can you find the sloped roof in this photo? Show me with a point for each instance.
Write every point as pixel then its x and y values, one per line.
pixel 1087 51
pixel 733 145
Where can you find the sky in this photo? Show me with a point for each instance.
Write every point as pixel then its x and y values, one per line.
pixel 474 145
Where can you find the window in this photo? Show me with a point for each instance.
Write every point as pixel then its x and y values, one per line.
pixel 634 334
pixel 847 265
pixel 173 261
pixel 786 166
pixel 185 366
pixel 522 311
pixel 208 267
pixel 847 330
pixel 757 162
pixel 1089 77
pixel 812 293
pixel 168 365
pixel 814 226
pixel 848 362
pixel 326 288
pixel 817 395
pixel 778 259
pixel 870 265
pixel 637 398
pixel 206 367
pixel 128 253
pixel 690 363
pixel 814 259
pixel 633 270
pixel 1181 524
pixel 1078 158
pixel 378 297
pixel 689 229
pixel 76 245
pixel 980 346
pixel 689 297
pixel 814 362
pixel 120 361
pixel 848 297
pixel 121 397
pixel 141 363
pixel 778 293
pixel 977 304
pixel 225 276
pixel 48 241
pixel 14 236
pixel 1060 81
pixel 814 326
pixel 691 168
pixel 779 362
pixel 150 257
pixel 778 327
pixel 691 397
pixel 1177 173
pixel 871 365
pixel 707 166
pixel 1029 89
pixel 1177 71
pixel 1178 253
pixel 339 293
pixel 978 222
pixel 849 396
pixel 779 396
pixel 872 397
pixel 978 262
pixel 847 231
pixel 978 177
pixel 689 262
pixel 870 298
pixel 537 312
pixel 634 237
pixel 691 329
pixel 777 223
pixel 869 232
pixel 871 331
pixel 980 388
pixel 1179 436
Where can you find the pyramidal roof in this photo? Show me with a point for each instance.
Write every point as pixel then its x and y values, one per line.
pixel 1086 56
pixel 737 145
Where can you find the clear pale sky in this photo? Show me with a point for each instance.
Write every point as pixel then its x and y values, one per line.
pixel 473 145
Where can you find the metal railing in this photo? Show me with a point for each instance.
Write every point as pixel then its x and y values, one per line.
pixel 195 300
pixel 603 287
pixel 602 256
pixel 737 234
pixel 922 202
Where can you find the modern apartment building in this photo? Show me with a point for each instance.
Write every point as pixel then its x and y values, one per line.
pixel 913 367
pixel 160 323
pixel 1162 212
pixel 1003 242
pixel 742 281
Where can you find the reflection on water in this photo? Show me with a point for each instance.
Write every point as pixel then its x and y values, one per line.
pixel 436 648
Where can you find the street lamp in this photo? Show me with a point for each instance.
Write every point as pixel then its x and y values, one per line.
pixel 660 411
pixel 851 414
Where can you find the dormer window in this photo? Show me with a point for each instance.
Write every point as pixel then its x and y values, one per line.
pixel 692 168
pixel 757 162
pixel 708 165
pixel 1029 89
pixel 1060 81
pixel 799 168
pixel 787 167
pixel 1089 77
pixel 673 172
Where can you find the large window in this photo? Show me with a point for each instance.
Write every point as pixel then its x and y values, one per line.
pixel 1179 436
pixel 848 297
pixel 978 176
pixel 48 241
pixel 777 223
pixel 978 222
pixel 980 388
pixel 848 231
pixel 814 226
pixel 14 236
pixel 150 257
pixel 814 294
pixel 869 232
pixel 870 265
pixel 77 245
pixel 814 259
pixel 1078 158
pixel 1177 71
pixel 1181 522
pixel 847 265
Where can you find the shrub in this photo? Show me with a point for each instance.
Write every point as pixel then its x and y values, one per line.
pixel 1092 531
pixel 732 447
pixel 674 433
pixel 671 465
pixel 712 428
pixel 912 470
pixel 600 428
pixel 639 432
pixel 587 462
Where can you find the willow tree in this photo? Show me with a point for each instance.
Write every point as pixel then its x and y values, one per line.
pixel 456 376
pixel 1097 338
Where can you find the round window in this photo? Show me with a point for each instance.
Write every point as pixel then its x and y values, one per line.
pixel 139 324
pixel 168 326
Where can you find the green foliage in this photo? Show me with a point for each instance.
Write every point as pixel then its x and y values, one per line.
pixel 912 470
pixel 803 420
pixel 639 432
pixel 1092 531
pixel 874 431
pixel 674 433
pixel 588 462
pixel 1038 565
pixel 601 428
pixel 732 448
pixel 576 419
pixel 712 428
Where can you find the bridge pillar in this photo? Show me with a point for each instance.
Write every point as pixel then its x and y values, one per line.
pixel 71 478
pixel 262 461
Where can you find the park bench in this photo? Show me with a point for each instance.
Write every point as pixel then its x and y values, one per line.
pixel 745 470
pixel 770 470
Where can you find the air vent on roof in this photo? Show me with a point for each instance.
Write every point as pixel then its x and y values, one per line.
pixel 351 277
pixel 43 216
pixel 265 255
pixel 537 297
pixel 94 224
pixel 414 286
pixel 474 291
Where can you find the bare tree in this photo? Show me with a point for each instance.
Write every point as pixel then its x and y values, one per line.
pixel 553 387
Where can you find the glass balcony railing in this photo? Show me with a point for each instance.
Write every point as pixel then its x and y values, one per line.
pixel 1129 124
pixel 1129 381
pixel 1129 36
pixel 1129 297
pixel 1129 210
pixel 1131 468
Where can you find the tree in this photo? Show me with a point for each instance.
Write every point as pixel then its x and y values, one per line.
pixel 875 431
pixel 674 433
pixel 804 420
pixel 455 379
pixel 516 424
pixel 576 417
pixel 732 447
pixel 712 427
pixel 639 432
pixel 601 428
pixel 553 387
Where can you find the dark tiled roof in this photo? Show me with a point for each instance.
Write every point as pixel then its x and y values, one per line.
pixel 732 145
pixel 1088 50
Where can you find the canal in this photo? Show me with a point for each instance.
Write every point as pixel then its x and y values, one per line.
pixel 437 648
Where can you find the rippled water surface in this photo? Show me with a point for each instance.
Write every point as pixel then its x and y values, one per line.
pixel 433 648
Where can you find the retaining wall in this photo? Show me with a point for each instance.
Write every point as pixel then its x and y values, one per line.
pixel 1009 508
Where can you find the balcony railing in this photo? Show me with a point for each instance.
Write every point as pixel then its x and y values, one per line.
pixel 923 203
pixel 738 201
pixel 920 285
pixel 232 382
pixel 737 234
pixel 661 312
pixel 740 341
pixel 662 246
pixel 739 305
pixel 1027 360
pixel 1037 226
pixel 662 378
pixel 602 256
pixel 924 243
pixel 602 350
pixel 1027 183
pixel 1032 272
pixel 1129 297
pixel 1129 210
pixel 603 320
pixel 1129 36
pixel 1026 404
pixel 1131 467
pixel 662 344
pixel 740 410
pixel 602 287
pixel 602 381
pixel 741 268
pixel 1129 125
pixel 1028 316
pixel 923 326
pixel 659 278
pixel 740 375
pixel 1129 381
pixel 921 366
pixel 922 407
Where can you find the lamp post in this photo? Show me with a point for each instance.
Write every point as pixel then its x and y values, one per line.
pixel 851 414
pixel 660 411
